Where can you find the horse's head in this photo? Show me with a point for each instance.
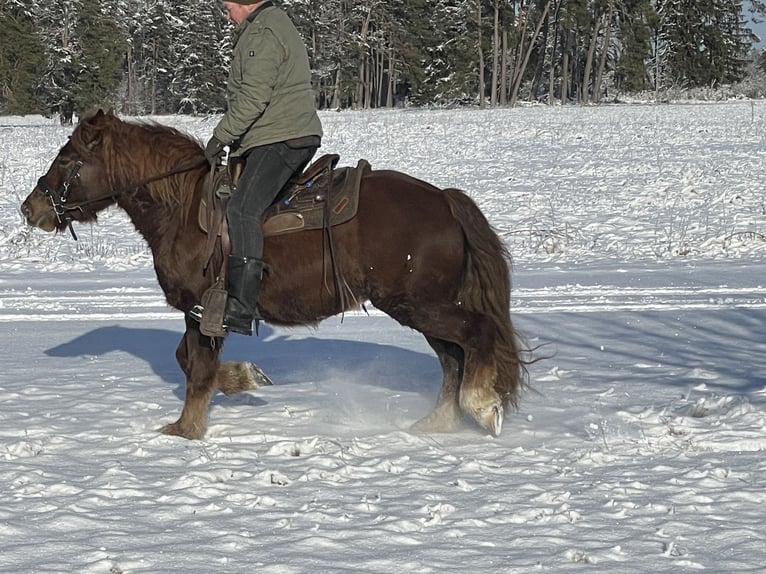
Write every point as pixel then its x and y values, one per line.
pixel 75 187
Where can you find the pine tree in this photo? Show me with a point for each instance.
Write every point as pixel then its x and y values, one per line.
pixel 636 22
pixel 142 24
pixel 702 42
pixel 734 40
pixel 170 56
pixel 22 61
pixel 57 30
pixel 449 74
pixel 99 60
pixel 158 56
pixel 200 54
pixel 408 36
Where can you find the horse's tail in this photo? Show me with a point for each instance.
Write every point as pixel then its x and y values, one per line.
pixel 486 289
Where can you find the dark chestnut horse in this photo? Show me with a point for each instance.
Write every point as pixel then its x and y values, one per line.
pixel 426 257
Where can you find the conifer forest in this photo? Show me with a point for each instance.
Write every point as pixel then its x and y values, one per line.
pixel 146 57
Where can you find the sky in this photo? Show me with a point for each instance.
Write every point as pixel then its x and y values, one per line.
pixel 760 29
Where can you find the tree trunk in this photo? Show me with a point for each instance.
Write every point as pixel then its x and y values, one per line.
pixel 336 98
pixel 523 67
pixel 589 62
pixel 482 88
pixel 539 73
pixel 552 66
pixel 153 94
pixel 363 77
pixel 391 69
pixel 368 83
pixel 504 71
pixel 519 50
pixel 604 54
pixel 565 71
pixel 554 15
pixel 130 96
pixel 495 55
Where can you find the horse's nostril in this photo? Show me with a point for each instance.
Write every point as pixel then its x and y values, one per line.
pixel 26 209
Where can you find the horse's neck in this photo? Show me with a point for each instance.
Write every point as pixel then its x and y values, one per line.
pixel 145 216
pixel 160 204
pixel 157 216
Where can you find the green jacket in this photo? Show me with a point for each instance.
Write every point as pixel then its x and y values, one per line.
pixel 269 95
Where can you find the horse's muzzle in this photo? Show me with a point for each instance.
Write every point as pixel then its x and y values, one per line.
pixel 38 211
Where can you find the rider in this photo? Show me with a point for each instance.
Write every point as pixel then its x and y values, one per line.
pixel 271 122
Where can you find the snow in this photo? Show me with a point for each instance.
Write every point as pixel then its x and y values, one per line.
pixel 638 235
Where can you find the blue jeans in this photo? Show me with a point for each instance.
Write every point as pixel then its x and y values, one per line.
pixel 268 168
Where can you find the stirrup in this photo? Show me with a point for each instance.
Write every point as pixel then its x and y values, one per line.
pixel 210 313
pixel 196 313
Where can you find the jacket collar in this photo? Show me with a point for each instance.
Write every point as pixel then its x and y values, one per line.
pixel 258 10
pixel 249 20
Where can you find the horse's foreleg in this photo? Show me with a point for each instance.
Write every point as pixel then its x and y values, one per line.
pixel 199 361
pixel 236 377
pixel 204 373
pixel 232 377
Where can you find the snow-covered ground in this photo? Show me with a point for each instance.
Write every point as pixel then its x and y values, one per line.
pixel 638 234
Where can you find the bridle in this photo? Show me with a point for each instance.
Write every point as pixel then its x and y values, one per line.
pixel 58 196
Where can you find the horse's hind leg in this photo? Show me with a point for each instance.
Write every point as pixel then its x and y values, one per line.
pixel 475 334
pixel 446 416
pixel 478 396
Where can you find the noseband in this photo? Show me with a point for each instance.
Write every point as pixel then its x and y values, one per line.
pixel 59 196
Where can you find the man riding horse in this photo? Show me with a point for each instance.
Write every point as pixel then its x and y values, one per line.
pixel 271 122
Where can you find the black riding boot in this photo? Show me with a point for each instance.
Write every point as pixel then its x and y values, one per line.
pixel 243 283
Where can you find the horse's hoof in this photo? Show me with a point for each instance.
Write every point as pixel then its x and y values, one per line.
pixel 236 378
pixel 174 429
pixel 491 418
pixel 485 408
pixel 495 420
pixel 260 379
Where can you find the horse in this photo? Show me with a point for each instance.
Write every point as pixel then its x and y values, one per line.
pixel 425 256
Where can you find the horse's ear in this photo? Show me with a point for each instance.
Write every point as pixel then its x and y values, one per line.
pixel 90 129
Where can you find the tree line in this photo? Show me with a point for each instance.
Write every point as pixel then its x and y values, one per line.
pixel 145 57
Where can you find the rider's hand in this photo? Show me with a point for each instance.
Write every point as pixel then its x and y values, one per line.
pixel 214 150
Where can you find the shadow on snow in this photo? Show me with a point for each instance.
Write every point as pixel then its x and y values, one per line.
pixel 285 360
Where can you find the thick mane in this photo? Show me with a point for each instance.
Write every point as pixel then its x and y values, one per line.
pixel 137 151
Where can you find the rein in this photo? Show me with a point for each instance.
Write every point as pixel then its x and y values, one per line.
pixel 58 197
